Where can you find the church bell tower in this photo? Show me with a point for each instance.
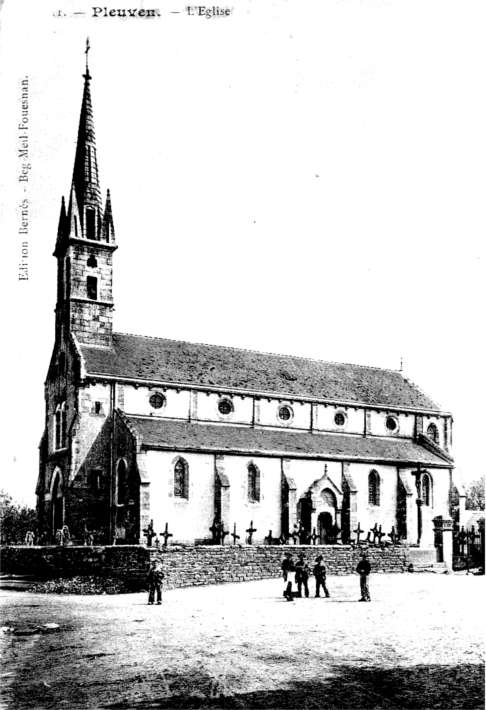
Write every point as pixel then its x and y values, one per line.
pixel 85 244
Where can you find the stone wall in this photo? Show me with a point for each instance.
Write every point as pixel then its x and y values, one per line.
pixel 188 566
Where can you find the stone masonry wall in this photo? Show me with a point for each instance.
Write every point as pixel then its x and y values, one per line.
pixel 188 566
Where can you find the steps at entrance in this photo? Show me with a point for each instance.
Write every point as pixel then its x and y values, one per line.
pixel 424 559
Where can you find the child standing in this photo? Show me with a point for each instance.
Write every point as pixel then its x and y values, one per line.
pixel 155 579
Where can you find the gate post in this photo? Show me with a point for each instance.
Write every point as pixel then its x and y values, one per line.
pixel 443 533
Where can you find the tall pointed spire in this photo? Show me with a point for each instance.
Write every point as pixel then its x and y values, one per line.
pixel 85 174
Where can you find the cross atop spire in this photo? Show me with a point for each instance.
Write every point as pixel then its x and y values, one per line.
pixel 86 51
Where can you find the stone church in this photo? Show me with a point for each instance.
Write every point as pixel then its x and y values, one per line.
pixel 141 429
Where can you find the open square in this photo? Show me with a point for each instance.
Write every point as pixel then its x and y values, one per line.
pixel 418 644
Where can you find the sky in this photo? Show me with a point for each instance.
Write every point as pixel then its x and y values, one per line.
pixel 298 178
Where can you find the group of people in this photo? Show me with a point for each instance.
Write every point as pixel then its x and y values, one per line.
pixel 296 577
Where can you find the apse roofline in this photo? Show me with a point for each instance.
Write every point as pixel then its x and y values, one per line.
pixel 264 395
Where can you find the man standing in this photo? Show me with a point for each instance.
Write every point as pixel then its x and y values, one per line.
pixel 320 574
pixel 302 575
pixel 364 569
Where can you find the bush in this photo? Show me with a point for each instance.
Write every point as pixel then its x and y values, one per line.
pixel 15 520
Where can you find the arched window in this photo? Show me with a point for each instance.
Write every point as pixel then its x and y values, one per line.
pixel 181 479
pixel 92 288
pixel 90 222
pixel 60 426
pixel 121 482
pixel 253 484
pixel 433 433
pixel 57 502
pixel 374 488
pixel 426 489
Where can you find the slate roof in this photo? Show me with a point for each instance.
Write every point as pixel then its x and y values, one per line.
pixel 179 362
pixel 185 436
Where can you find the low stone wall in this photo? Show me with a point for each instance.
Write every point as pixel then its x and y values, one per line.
pixel 190 565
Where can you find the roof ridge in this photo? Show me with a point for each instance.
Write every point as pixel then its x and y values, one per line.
pixel 263 352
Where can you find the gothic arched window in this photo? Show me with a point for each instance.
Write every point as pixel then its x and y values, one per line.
pixel 374 488
pixel 426 489
pixel 121 482
pixel 253 484
pixel 433 433
pixel 60 426
pixel 181 479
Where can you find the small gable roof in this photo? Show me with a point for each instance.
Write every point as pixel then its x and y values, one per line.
pixel 179 362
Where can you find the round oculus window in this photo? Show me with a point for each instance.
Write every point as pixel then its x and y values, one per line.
pixel 340 419
pixel 285 413
pixel 157 400
pixel 391 424
pixel 225 407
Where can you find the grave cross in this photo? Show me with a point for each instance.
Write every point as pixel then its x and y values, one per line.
pixel 166 534
pixel 234 535
pixel 215 530
pixel 223 534
pixel 269 538
pixel 294 535
pixel 149 533
pixel 250 532
pixel 375 532
pixel 358 532
pixel 393 536
pixel 314 536
pixel 29 538
pixel 380 535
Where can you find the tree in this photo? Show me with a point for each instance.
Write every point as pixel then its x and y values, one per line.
pixel 475 495
pixel 15 520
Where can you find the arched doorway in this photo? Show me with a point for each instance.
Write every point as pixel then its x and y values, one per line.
pixel 325 525
pixel 326 518
pixel 57 504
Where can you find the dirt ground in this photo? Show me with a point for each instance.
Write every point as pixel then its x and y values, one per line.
pixel 418 644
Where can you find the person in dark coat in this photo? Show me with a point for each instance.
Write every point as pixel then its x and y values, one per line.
pixel 364 569
pixel 320 573
pixel 302 572
pixel 155 579
pixel 288 571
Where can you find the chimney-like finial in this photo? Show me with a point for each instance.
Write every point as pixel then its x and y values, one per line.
pixel 86 51
pixel 401 364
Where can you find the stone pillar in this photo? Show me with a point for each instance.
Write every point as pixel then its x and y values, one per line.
pixel 419 426
pixel 289 497
pixel 443 532
pixel 350 488
pixel 222 482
